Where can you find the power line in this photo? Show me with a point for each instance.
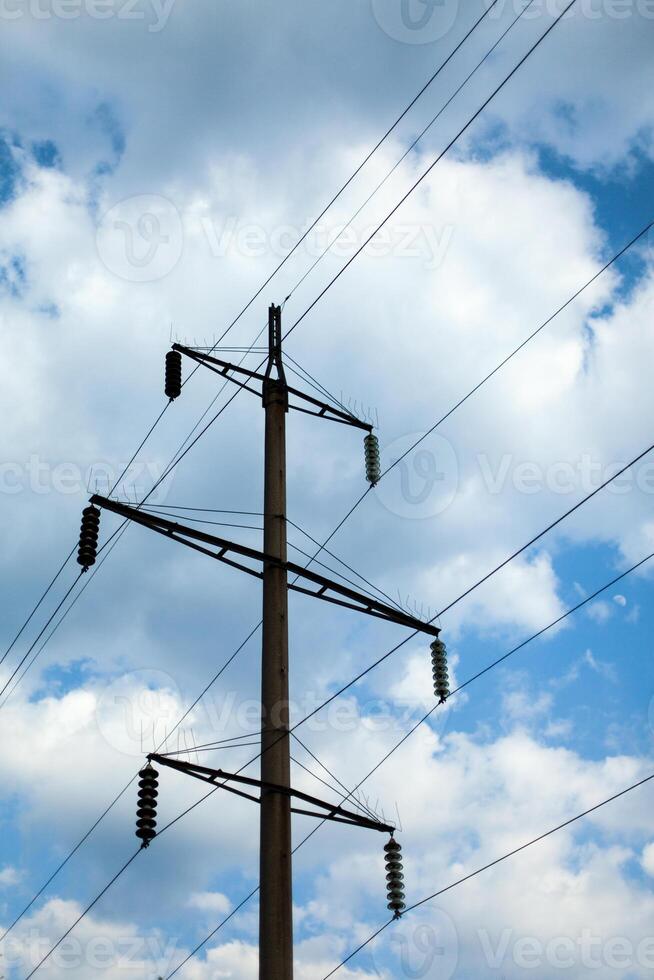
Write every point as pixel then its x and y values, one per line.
pixel 74 548
pixel 325 703
pixel 163 477
pixel 178 457
pixel 39 603
pixel 474 117
pixel 177 460
pixel 117 534
pixel 429 169
pixel 481 581
pixel 83 915
pixel 350 793
pixel 641 234
pixel 336 196
pixel 110 543
pixel 493 864
pixel 63 864
pixel 52 616
pixel 330 786
pixel 615 258
pixel 398 646
pixel 249 527
pixel 170 510
pixel 358 786
pixel 369 669
pixel 85 837
pixel 425 718
pixel 190 447
pixel 412 146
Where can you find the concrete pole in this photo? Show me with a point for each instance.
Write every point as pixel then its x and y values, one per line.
pixel 276 877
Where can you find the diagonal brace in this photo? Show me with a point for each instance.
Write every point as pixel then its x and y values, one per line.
pixel 227 370
pixel 309 583
pixel 327 811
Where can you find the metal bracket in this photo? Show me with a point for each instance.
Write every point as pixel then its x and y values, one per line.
pixel 220 549
pixel 327 811
pixel 226 370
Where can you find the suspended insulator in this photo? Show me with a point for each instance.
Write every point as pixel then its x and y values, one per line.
pixel 440 671
pixel 373 465
pixel 173 374
pixel 394 877
pixel 88 537
pixel 146 814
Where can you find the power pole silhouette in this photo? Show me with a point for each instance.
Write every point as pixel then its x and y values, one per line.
pixel 276 796
pixel 276 875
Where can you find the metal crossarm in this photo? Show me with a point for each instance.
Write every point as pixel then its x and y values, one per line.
pixel 227 370
pixel 219 778
pixel 308 582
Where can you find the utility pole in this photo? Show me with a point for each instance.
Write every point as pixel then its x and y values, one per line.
pixel 276 876
pixel 277 798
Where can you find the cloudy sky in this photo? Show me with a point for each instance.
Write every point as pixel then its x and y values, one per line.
pixel 158 159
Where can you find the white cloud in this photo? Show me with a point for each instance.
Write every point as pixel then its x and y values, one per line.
pixel 600 611
pixel 10 876
pixel 648 859
pixel 395 331
pixel 606 670
pixel 98 948
pixel 210 902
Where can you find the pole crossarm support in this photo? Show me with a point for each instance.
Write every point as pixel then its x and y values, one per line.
pixel 220 549
pixel 227 370
pixel 219 778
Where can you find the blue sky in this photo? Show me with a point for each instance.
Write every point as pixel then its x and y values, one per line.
pixel 155 164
